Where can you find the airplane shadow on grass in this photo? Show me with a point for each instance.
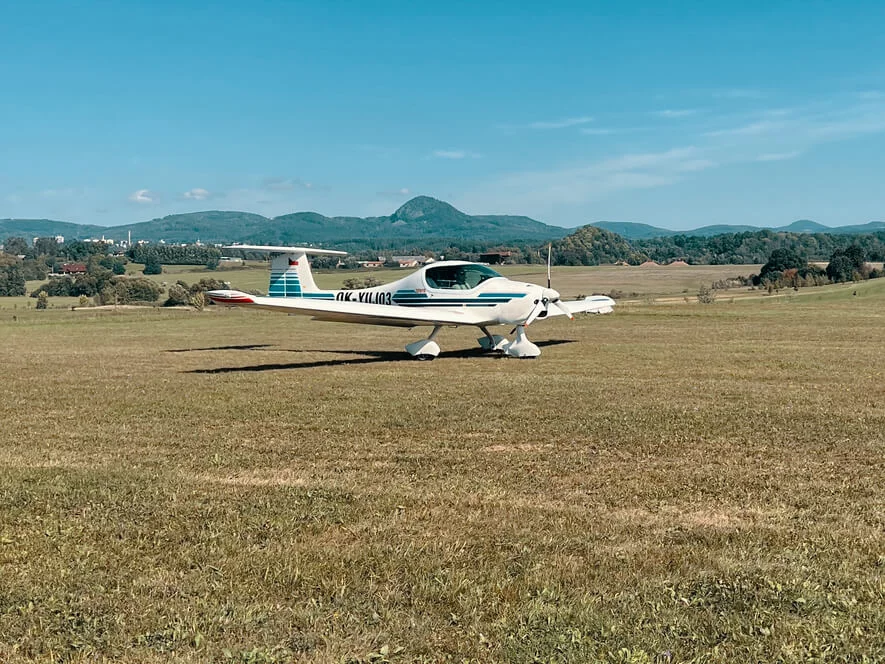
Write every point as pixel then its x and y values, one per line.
pixel 353 357
pixel 240 347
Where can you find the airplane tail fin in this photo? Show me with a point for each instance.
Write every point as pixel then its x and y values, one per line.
pixel 290 274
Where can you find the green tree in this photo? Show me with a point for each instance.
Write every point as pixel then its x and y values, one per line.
pixel 56 287
pixel 42 300
pixel 856 255
pixel 12 279
pixel 152 264
pixel 845 264
pixel 840 268
pixel 198 300
pixel 17 246
pixel 138 290
pixel 179 294
pixel 46 246
pixel 205 284
pixel 781 260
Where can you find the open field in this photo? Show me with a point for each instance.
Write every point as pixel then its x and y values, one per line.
pixel 678 483
pixel 570 281
pixel 647 282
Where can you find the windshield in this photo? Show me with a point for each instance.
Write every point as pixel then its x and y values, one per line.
pixel 463 277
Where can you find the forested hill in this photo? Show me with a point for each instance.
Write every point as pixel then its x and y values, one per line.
pixel 420 218
pixel 592 245
pixel 31 228
pixel 636 231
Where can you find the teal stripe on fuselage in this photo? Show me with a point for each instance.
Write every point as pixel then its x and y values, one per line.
pixel 284 284
pixel 450 303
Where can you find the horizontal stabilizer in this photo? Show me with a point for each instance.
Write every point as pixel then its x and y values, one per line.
pixel 310 251
pixel 592 304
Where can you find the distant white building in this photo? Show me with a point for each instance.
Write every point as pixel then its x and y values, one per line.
pixel 410 261
pixel 59 239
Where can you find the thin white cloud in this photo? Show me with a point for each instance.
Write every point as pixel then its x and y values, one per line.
pixel 599 131
pixel 777 112
pixel 782 131
pixel 754 128
pixel 691 165
pixel 285 184
pixel 676 113
pixel 609 131
pixel 848 125
pixel 583 183
pixel 196 194
pixel 454 154
pixel 778 156
pixel 143 196
pixel 676 158
pixel 561 124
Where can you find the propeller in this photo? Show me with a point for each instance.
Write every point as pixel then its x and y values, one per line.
pixel 542 304
pixel 548 297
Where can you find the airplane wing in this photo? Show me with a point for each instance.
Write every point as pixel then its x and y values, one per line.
pixel 592 304
pixel 353 312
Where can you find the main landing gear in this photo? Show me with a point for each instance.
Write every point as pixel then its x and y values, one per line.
pixel 521 347
pixel 425 349
pixel 493 342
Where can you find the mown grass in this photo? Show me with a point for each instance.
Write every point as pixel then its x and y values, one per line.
pixel 677 483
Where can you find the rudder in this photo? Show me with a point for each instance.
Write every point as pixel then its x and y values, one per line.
pixel 290 276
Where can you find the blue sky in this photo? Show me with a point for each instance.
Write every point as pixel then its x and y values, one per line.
pixel 675 114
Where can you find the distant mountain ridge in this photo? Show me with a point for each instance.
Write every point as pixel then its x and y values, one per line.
pixel 31 228
pixel 638 231
pixel 421 217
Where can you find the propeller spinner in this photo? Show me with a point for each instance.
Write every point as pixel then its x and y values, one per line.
pixel 548 297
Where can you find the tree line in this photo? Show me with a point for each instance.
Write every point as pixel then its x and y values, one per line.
pixel 169 254
pixel 786 268
pixel 588 245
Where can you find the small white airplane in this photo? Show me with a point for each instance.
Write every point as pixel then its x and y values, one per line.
pixel 440 294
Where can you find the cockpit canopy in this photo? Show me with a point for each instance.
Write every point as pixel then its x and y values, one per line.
pixel 462 277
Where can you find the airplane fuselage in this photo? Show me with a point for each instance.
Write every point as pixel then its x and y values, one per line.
pixel 451 284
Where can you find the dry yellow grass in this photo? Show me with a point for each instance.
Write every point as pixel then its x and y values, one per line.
pixel 679 483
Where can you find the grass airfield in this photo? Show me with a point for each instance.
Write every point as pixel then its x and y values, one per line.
pixel 668 483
